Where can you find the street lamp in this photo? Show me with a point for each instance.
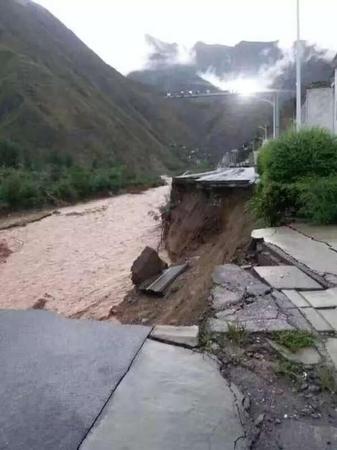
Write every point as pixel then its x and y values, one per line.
pixel 264 128
pixel 298 72
pixel 276 112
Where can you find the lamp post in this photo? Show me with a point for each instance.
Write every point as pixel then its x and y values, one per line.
pixel 276 112
pixel 298 72
pixel 264 128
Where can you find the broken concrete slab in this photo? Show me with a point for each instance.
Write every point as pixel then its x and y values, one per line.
pixel 160 284
pixel 251 326
pixel 307 356
pixel 222 298
pixel 322 299
pixel 315 255
pixel 238 280
pixel 57 375
pixel 266 326
pixel 331 346
pixel 217 326
pixel 262 314
pixel 296 298
pixel 330 316
pixel 294 316
pixel 286 277
pixel 172 398
pixel 147 265
pixel 187 336
pixel 263 308
pixel 282 300
pixel 297 320
pixel 316 320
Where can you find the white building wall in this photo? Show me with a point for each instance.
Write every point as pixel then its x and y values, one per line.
pixel 319 108
pixel 335 103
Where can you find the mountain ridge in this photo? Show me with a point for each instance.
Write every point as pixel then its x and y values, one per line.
pixel 56 93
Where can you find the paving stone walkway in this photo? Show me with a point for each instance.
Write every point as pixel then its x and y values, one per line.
pixel 240 299
pixel 318 255
pixel 314 250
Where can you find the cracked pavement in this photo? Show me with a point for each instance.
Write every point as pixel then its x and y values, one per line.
pixel 82 384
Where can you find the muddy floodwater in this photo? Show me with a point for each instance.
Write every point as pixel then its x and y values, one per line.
pixel 77 262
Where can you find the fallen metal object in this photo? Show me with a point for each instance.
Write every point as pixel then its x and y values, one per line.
pixel 161 283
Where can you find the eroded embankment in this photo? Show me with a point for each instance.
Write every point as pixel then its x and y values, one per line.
pixel 206 228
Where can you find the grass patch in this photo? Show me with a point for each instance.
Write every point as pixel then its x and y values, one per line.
pixel 290 370
pixel 294 340
pixel 237 333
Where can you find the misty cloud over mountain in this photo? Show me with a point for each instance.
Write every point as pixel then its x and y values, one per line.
pixel 171 67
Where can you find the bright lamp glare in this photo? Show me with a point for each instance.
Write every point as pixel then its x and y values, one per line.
pixel 245 86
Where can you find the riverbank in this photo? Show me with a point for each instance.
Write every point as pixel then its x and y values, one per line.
pixel 77 262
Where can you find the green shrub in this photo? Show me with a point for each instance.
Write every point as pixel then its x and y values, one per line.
pixel 318 197
pixel 310 152
pixel 274 202
pixel 80 181
pixel 9 154
pixel 20 189
pixel 298 177
pixel 63 190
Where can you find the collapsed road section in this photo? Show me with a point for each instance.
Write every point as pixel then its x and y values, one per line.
pixel 206 222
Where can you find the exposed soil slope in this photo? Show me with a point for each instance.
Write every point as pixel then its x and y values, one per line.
pixel 206 229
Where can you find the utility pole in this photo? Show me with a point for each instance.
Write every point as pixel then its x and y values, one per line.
pixel 298 72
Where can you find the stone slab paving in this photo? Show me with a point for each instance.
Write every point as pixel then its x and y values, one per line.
pixel 237 280
pixel 324 233
pixel 330 315
pixel 264 308
pixel 322 299
pixel 331 346
pixel 286 277
pixel 258 310
pixel 297 319
pixel 188 336
pixel 223 297
pixel 317 256
pixel 316 319
pixel 172 398
pixel 296 298
pixel 56 375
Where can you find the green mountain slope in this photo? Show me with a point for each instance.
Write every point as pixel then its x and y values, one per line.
pixel 56 95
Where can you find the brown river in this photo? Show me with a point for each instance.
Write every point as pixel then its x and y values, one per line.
pixel 77 262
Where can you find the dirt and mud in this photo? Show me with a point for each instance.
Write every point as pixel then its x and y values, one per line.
pixel 287 405
pixel 77 261
pixel 205 229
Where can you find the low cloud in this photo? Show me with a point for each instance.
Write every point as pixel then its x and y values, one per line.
pixel 267 74
pixel 163 54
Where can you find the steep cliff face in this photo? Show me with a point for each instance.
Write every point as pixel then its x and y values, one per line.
pixel 198 215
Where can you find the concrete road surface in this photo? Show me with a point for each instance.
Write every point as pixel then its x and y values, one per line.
pixel 56 375
pixel 70 384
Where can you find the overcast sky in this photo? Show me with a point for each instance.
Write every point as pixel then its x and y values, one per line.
pixel 115 29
